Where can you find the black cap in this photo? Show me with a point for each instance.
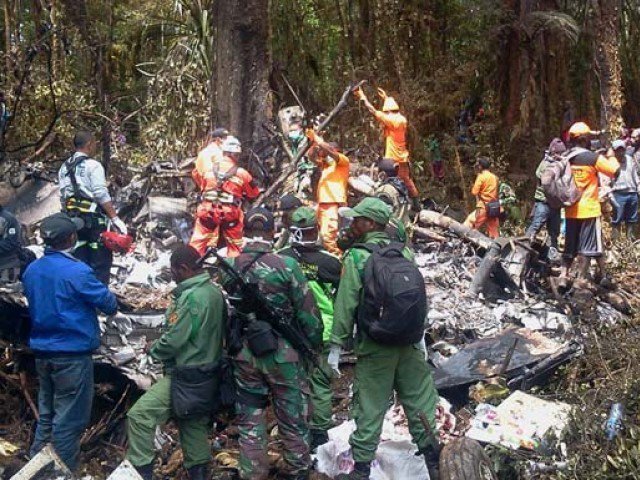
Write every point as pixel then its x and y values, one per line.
pixel 259 219
pixel 289 202
pixel 59 226
pixel 387 165
pixel 219 133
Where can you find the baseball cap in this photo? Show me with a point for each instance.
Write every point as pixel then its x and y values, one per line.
pixel 259 219
pixel 59 226
pixel 387 165
pixel 304 217
pixel 219 133
pixel 371 208
pixel 618 144
pixel 289 202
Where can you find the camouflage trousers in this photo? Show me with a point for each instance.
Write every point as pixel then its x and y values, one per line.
pixel 281 378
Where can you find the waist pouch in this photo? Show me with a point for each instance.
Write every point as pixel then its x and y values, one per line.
pixel 261 338
pixel 195 389
pixel 493 209
pixel 94 224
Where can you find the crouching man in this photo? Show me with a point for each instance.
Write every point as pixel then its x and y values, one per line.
pixel 64 294
pixel 193 337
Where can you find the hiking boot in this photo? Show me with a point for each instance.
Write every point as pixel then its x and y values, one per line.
pixel 145 471
pixel 432 460
pixel 199 472
pixel 361 471
pixel 318 437
pixel 607 283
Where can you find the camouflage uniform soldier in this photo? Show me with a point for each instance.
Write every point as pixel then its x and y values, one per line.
pixel 280 374
pixel 322 270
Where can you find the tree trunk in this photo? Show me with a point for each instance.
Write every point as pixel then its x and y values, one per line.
pixel 242 67
pixel 7 41
pixel 607 57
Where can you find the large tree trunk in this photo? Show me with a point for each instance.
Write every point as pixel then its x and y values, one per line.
pixel 607 56
pixel 242 67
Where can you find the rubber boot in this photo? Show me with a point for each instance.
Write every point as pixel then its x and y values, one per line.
pixel 361 471
pixel 199 472
pixel 318 437
pixel 615 233
pixel 432 460
pixel 631 234
pixel 145 471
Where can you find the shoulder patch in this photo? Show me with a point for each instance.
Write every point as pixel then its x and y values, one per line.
pixel 173 318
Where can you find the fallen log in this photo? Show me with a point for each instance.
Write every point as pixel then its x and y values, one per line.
pixel 304 147
pixel 427 234
pixel 429 217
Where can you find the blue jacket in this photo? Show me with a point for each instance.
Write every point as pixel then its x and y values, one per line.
pixel 63 295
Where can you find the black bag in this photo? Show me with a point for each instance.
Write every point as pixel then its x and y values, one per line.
pixel 195 389
pixel 493 209
pixel 393 307
pixel 261 339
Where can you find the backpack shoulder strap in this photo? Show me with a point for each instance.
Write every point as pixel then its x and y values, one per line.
pixel 369 247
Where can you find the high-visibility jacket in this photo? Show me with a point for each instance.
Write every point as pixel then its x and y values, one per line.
pixel 203 172
pixel 585 167
pixel 395 132
pixel 228 183
pixel 485 188
pixel 332 187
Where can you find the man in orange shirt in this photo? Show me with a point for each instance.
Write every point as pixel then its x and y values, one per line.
pixel 395 132
pixel 220 211
pixel 584 228
pixel 203 172
pixel 485 189
pixel 332 188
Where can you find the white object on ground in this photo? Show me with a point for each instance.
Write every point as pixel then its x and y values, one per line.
pixel 125 471
pixel 47 459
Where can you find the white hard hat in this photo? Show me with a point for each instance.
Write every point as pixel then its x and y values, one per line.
pixel 231 145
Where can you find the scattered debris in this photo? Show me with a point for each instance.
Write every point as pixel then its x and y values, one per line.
pixel 46 464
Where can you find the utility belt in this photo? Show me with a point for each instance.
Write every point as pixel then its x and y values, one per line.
pixel 91 213
pixel 217 196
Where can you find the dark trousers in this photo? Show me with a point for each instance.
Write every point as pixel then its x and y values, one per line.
pixel 98 257
pixel 544 214
pixel 64 404
pixel 627 209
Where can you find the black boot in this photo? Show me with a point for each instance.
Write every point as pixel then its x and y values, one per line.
pixel 631 235
pixel 145 471
pixel 318 437
pixel 416 205
pixel 361 471
pixel 432 460
pixel 199 472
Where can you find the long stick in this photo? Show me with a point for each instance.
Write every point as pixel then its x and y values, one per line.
pixel 304 147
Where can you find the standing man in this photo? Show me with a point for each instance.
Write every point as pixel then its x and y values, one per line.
pixel 84 194
pixel 395 132
pixel 63 295
pixel 287 204
pixel 625 187
pixel 14 258
pixel 584 228
pixel 485 189
pixel 332 188
pixel 392 190
pixel 267 367
pixel 381 369
pixel 194 330
pixel 322 270
pixel 543 213
pixel 219 214
pixel 203 172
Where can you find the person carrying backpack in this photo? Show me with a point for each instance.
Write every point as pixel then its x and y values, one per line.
pixel 383 291
pixel 544 213
pixel 584 228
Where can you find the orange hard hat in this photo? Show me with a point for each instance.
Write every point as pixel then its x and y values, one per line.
pixel 580 129
pixel 117 242
pixel 390 105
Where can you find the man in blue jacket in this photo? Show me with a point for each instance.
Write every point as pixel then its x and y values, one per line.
pixel 63 295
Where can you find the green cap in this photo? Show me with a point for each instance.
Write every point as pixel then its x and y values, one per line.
pixel 304 217
pixel 371 208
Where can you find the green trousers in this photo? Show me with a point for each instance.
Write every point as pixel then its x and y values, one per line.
pixel 154 408
pixel 321 394
pixel 379 371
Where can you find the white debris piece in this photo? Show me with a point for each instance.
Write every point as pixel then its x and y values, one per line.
pixel 125 471
pixel 46 464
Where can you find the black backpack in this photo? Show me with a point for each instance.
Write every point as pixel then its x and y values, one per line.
pixel 393 306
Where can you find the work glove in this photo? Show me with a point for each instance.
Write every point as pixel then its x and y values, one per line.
pixel 334 359
pixel 119 224
pixel 382 94
pixel 310 134
pixel 360 94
